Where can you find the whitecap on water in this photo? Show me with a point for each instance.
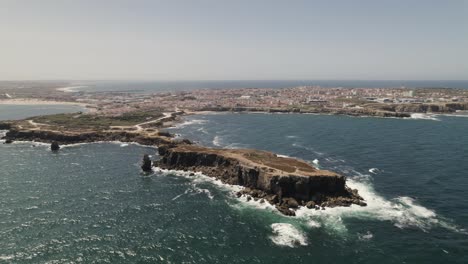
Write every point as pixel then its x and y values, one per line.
pixel 424 116
pixel 191 122
pixel 403 211
pixel 366 236
pixel 217 141
pixel 285 234
pixel 205 191
pixel 7 257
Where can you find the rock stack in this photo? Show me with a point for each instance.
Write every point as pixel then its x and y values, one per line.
pixel 146 166
pixel 54 146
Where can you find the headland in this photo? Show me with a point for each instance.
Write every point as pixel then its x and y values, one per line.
pixel 286 183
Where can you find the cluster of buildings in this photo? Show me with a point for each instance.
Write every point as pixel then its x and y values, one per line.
pixel 304 96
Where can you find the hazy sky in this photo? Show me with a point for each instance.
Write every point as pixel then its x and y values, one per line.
pixel 221 39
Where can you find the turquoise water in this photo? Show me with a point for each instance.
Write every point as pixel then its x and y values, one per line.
pixel 158 86
pixel 11 112
pixel 90 203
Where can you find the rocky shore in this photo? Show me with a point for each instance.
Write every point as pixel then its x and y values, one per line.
pixel 285 183
pixel 329 111
pixel 64 138
pixel 372 109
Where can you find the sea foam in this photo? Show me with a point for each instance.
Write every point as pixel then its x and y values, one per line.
pixel 285 234
pixel 424 116
pixel 403 212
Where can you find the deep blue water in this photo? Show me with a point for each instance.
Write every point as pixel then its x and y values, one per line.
pixel 90 203
pixel 158 86
pixel 11 112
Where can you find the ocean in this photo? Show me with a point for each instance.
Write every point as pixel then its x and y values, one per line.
pixel 170 86
pixel 90 203
pixel 18 111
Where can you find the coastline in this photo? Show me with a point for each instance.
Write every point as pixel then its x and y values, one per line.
pixel 286 183
pixel 24 101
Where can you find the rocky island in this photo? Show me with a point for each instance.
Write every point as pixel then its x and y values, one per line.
pixel 286 183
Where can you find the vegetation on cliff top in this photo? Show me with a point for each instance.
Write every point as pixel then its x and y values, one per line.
pixel 90 121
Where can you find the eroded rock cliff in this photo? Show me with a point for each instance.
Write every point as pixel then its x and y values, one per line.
pixel 284 182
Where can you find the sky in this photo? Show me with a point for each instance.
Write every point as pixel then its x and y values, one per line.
pixel 233 40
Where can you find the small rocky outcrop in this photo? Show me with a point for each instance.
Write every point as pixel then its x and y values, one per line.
pixel 285 183
pixel 146 165
pixel 8 141
pixel 54 146
pixel 5 126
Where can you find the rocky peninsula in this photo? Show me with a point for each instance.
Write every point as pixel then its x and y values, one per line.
pixel 286 183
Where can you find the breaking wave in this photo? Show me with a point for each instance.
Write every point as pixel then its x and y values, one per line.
pixel 217 141
pixel 191 122
pixel 287 235
pixel 424 116
pixel 403 212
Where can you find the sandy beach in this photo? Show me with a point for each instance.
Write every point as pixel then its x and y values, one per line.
pixel 37 102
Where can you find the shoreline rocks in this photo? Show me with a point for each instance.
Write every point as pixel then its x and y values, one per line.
pixel 54 146
pixel 146 165
pixel 64 138
pixel 285 183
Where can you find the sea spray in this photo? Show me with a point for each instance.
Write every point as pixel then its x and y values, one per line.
pixel 285 234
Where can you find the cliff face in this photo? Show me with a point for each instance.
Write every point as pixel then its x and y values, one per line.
pixel 276 179
pixel 422 108
pixel 84 137
pixel 5 126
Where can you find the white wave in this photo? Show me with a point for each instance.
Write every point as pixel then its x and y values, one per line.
pixel 291 136
pixel 177 197
pixel 103 142
pixel 403 211
pixel 217 141
pixel 314 224
pixel 191 122
pixel 366 236
pixel 282 156
pixel 246 202
pixel 297 145
pixel 287 235
pixel 373 170
pixel 424 116
pixel 315 161
pixel 124 145
pixel 201 129
pixel 7 257
pixel 199 177
pixel 205 191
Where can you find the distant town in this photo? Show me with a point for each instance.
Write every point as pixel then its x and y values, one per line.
pixel 308 99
